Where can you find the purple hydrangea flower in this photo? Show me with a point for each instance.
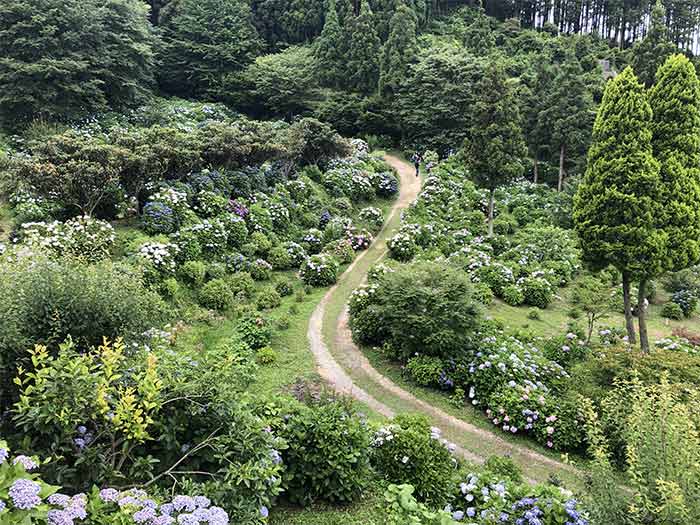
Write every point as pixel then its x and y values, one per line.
pixel 27 462
pixel 187 519
pixel 167 509
pixel 2 505
pixel 162 520
pixel 4 453
pixel 60 500
pixel 144 515
pixel 184 503
pixel 264 512
pixel 24 494
pixel 109 495
pixel 218 516
pixel 79 442
pixel 77 511
pixel 458 515
pixel 59 517
pixel 202 502
pixel 82 430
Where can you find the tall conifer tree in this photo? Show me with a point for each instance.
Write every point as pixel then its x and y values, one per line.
pixel 329 48
pixel 363 53
pixel 399 50
pixel 495 147
pixel 568 112
pixel 618 204
pixel 675 102
pixel 650 54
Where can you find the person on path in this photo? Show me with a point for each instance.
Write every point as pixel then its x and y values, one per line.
pixel 416 162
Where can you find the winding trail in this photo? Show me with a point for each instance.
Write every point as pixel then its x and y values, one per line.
pixel 344 365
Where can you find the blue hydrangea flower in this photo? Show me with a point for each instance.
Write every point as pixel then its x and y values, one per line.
pixel 109 495
pixel 59 517
pixel 24 494
pixel 27 462
pixel 4 453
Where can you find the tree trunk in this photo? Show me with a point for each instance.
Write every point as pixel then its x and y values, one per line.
pixel 629 318
pixel 536 171
pixel 562 150
pixel 492 197
pixel 591 323
pixel 642 309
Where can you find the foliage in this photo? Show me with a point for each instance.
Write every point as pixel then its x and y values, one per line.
pixel 268 299
pixel 327 454
pixel 216 294
pixel 203 44
pixel 319 270
pixel 46 301
pixel 410 450
pixel 362 58
pixel 194 272
pixel 84 238
pixel 405 510
pixel 399 50
pixel 66 60
pixel 423 307
pixel 675 103
pixel 671 310
pixel 651 53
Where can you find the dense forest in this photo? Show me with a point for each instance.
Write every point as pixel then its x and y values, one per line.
pixel 378 262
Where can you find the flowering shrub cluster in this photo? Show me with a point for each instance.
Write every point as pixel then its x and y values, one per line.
pixel 83 237
pixel 402 247
pixel 319 270
pixel 373 216
pixel 360 239
pixel 161 256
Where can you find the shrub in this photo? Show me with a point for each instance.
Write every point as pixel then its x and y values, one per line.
pixel 409 450
pixel 193 272
pixel 280 258
pixel 672 310
pixel 216 295
pixel 360 239
pixel 688 279
pixel 687 300
pixel 425 370
pixel 268 299
pixel 158 218
pixel 513 295
pixel 216 270
pixel 313 241
pixel 46 301
pixel 402 247
pixel 534 314
pixel 373 217
pixel 169 288
pixel 242 285
pixel 83 237
pixel 402 509
pixel 385 184
pixel 424 307
pixel 504 467
pixel 236 229
pixel 261 270
pixel 483 293
pixel 296 252
pixel 328 453
pixel 160 259
pixel 284 288
pixel 254 331
pixel 319 270
pixel 537 291
pixel 341 250
pixel 266 355
pixel 497 276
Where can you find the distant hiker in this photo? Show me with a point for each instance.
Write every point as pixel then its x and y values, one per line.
pixel 416 162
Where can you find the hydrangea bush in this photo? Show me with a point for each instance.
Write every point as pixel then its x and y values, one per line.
pixel 83 237
pixel 319 270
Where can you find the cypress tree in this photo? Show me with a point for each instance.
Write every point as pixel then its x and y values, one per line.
pixel 568 112
pixel 495 147
pixel 329 50
pixel 675 102
pixel 650 54
pixel 399 50
pixel 363 53
pixel 617 205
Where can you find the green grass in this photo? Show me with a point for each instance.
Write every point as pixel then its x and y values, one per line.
pixel 5 220
pixel 554 319
pixel 368 511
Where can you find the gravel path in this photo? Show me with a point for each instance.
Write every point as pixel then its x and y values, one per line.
pixel 337 376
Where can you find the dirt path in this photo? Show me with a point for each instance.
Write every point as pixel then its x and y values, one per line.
pixel 474 443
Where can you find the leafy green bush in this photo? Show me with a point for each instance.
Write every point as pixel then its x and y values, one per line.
pixel 402 247
pixel 327 456
pixel 504 467
pixel 671 310
pixel 319 270
pixel 215 270
pixel 254 331
pixel 261 270
pixel 266 355
pixel 193 272
pixel 46 301
pixel 280 258
pixel 687 300
pixel 513 295
pixel 483 293
pixel 216 295
pixel 242 285
pixel 424 370
pixel 409 451
pixel 403 509
pixel 537 291
pixel 341 250
pixel 268 299
pixel 284 288
pixel 425 307
pixel 497 276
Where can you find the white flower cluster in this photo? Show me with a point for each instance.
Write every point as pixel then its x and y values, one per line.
pixel 160 255
pixel 171 197
pixel 81 237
